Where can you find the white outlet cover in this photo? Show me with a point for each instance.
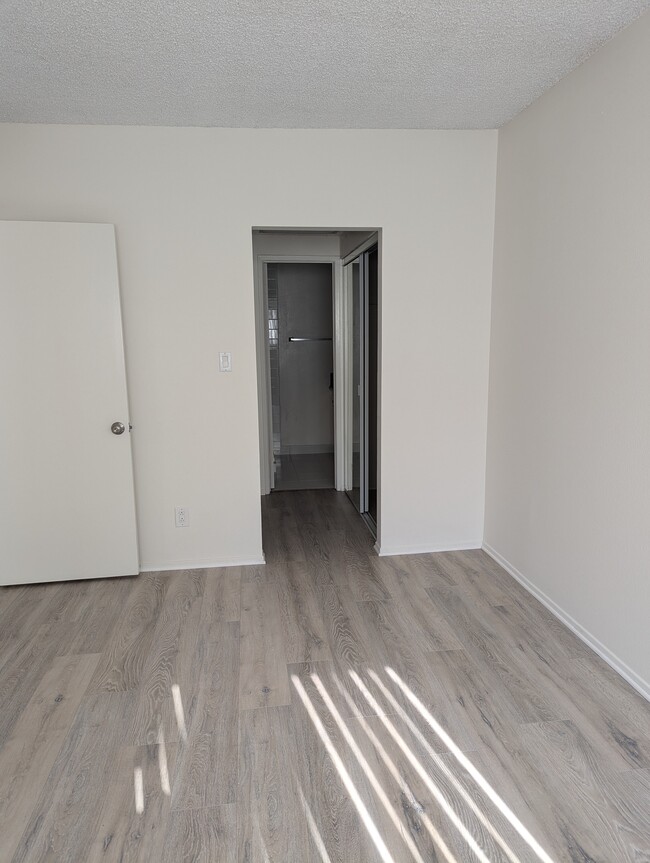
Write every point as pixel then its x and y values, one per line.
pixel 182 516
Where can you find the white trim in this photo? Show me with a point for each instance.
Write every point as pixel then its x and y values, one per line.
pixel 380 354
pixel 635 680
pixel 263 376
pixel 393 550
pixel 339 318
pixel 203 563
pixel 347 378
pixel 371 241
pixel 264 370
pixel 364 296
pixel 360 254
pixel 299 259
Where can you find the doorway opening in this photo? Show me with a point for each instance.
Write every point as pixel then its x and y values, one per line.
pixel 317 305
pixel 301 362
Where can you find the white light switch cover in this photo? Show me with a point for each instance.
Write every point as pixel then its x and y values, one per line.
pixel 225 361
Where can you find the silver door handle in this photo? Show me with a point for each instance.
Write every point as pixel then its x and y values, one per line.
pixel 118 428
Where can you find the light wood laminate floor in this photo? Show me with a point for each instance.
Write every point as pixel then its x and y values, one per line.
pixel 329 706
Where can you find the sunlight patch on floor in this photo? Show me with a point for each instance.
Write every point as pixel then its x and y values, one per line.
pixel 343 773
pixel 440 764
pixel 178 710
pixel 473 836
pixel 376 785
pixel 162 763
pixel 138 784
pixel 424 776
pixel 462 759
pixel 313 828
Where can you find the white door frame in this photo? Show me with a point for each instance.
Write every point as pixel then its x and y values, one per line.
pixel 348 300
pixel 350 395
pixel 340 357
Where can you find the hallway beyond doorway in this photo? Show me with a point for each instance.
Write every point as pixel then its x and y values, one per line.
pixel 305 471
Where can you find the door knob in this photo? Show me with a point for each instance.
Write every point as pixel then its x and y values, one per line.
pixel 118 428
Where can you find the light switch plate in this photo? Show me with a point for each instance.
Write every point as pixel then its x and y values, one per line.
pixel 225 361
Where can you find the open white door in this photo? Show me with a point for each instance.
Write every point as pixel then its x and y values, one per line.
pixel 67 508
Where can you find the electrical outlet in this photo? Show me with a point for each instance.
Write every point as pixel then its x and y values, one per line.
pixel 182 516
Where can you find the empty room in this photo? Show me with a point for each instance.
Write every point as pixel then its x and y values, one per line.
pixel 325 432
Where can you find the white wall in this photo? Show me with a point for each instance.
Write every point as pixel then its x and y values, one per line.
pixel 334 242
pixel 184 202
pixel 304 243
pixel 568 473
pixel 350 240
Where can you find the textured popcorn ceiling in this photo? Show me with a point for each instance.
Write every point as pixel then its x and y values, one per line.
pixel 293 63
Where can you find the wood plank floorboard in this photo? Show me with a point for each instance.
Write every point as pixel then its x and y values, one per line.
pixel 330 706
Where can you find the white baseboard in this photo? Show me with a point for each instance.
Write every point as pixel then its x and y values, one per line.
pixel 201 563
pixel 642 686
pixel 393 550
